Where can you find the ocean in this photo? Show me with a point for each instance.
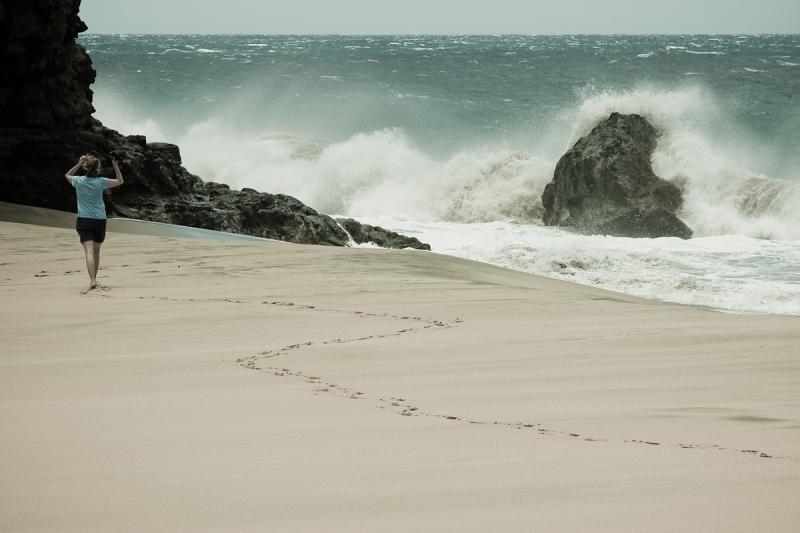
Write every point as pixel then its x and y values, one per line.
pixel 452 139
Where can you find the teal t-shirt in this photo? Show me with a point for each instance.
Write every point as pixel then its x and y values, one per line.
pixel 90 196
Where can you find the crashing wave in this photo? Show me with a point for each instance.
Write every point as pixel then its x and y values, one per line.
pixel 385 172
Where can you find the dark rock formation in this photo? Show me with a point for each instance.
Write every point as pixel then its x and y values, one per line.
pixel 605 184
pixel 45 74
pixel 362 233
pixel 46 125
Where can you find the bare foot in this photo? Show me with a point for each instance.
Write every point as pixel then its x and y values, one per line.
pixel 92 285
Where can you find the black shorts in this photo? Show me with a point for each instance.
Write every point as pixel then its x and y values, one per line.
pixel 91 229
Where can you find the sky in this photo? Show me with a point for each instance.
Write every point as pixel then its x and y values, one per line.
pixel 441 16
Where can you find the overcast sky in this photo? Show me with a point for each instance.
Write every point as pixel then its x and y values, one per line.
pixel 442 16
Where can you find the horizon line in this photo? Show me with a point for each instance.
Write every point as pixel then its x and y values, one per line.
pixel 424 34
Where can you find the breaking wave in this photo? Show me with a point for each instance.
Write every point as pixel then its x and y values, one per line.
pixel 386 173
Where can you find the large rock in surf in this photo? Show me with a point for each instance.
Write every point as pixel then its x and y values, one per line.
pixel 46 124
pixel 606 184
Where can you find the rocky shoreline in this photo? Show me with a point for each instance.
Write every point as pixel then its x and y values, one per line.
pixel 46 124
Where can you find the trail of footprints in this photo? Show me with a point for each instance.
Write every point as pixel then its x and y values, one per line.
pixel 396 405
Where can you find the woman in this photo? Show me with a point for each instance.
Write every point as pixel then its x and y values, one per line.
pixel 91 223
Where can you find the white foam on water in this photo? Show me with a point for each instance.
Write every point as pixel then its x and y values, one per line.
pixel 730 273
pixel 373 173
pixel 700 53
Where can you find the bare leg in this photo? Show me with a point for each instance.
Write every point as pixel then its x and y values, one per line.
pixel 91 265
pixel 96 259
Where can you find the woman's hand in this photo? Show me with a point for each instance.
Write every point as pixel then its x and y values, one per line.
pixel 71 172
pixel 119 180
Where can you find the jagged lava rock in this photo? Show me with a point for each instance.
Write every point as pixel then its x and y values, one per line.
pixel 606 184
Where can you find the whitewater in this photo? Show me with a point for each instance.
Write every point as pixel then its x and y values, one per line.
pixel 452 140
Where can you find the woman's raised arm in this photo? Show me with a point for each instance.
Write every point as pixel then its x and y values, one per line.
pixel 119 179
pixel 71 172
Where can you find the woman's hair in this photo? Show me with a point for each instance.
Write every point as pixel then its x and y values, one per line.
pixel 92 165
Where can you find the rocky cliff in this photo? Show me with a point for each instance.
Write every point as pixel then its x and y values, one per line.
pixel 606 184
pixel 46 123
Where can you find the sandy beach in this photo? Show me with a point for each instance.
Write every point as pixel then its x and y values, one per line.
pixel 232 385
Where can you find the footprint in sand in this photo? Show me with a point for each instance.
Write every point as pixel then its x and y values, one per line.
pixel 96 289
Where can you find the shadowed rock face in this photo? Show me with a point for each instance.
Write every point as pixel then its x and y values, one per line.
pixel 605 184
pixel 45 75
pixel 46 124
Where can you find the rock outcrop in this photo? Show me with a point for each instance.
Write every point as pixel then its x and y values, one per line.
pixel 364 233
pixel 606 184
pixel 46 124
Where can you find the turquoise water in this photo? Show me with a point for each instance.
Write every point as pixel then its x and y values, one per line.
pixel 453 138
